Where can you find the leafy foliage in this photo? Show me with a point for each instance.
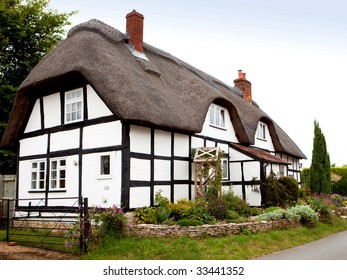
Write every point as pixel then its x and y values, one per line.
pixel 28 30
pixel 320 177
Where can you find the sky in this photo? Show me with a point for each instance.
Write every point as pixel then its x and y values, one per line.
pixel 294 53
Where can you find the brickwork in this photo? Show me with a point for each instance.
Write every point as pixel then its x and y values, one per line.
pixel 146 230
pixel 134 27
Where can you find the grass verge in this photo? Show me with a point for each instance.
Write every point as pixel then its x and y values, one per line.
pixel 236 247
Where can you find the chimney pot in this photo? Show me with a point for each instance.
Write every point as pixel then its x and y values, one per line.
pixel 245 85
pixel 134 27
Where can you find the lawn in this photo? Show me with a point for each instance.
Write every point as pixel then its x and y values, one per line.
pixel 236 247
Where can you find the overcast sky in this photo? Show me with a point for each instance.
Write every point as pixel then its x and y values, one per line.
pixel 293 51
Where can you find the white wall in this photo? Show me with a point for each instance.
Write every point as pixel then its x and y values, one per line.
pixel 140 139
pixel 102 135
pixel 96 107
pixel 33 146
pixel 264 144
pixel 52 110
pixel 34 122
pixel 65 140
pixel 227 134
pixel 100 190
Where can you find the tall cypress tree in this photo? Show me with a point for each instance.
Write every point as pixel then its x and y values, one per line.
pixel 320 181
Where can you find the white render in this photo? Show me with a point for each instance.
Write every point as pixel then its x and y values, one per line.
pixel 34 122
pixel 159 160
pixel 51 107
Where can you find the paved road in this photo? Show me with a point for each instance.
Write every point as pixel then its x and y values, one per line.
pixel 333 247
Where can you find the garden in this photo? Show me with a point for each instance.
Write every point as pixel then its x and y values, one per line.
pixel 284 201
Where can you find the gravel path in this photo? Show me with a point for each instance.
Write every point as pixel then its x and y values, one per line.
pixel 13 251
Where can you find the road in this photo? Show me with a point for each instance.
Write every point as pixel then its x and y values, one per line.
pixel 333 247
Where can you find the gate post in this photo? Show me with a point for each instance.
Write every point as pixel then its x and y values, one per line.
pixel 8 221
pixel 85 226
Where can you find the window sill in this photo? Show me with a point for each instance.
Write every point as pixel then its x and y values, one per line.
pixel 218 127
pixel 262 139
pixel 43 191
pixel 105 177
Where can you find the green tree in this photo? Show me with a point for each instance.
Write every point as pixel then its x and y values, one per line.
pixel 28 30
pixel 320 176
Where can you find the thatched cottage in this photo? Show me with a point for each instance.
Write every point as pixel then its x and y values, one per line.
pixel 106 116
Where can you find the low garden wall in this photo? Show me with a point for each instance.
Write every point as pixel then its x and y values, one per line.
pixel 223 229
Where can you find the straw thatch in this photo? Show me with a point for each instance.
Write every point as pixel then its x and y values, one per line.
pixel 162 91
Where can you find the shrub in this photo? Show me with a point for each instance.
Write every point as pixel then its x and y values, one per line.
pixel 237 204
pixel 304 214
pixel 232 216
pixel 146 215
pixel 217 207
pixel 282 191
pixel 180 209
pixel 277 214
pixel 291 189
pixel 322 205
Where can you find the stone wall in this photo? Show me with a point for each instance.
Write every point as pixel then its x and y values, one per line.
pixel 149 230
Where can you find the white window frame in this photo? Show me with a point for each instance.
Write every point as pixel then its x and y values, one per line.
pixel 217 116
pixel 101 174
pixel 74 105
pixel 57 181
pixel 261 131
pixel 225 171
pixel 37 182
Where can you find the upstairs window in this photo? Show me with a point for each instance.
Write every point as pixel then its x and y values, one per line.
pixel 217 116
pixel 261 131
pixel 73 106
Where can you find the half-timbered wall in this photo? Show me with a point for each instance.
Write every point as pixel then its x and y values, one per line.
pixel 79 146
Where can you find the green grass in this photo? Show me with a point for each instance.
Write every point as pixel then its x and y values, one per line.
pixel 236 247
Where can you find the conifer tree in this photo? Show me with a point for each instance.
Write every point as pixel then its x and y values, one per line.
pixel 320 181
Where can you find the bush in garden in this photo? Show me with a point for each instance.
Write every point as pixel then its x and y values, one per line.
pixel 232 217
pixel 291 188
pixel 282 191
pixel 108 221
pixel 99 224
pixel 322 204
pixel 276 214
pixel 237 204
pixel 217 207
pixel 180 209
pixel 304 214
pixel 146 215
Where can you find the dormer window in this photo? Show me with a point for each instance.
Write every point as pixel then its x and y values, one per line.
pixel 261 131
pixel 74 106
pixel 217 116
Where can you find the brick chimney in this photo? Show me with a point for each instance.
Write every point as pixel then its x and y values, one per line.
pixel 245 85
pixel 134 27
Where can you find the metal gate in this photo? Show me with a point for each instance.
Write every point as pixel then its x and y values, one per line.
pixel 39 225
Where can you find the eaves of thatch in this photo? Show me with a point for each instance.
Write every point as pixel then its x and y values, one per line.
pixel 162 91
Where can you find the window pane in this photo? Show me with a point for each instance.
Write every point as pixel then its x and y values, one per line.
pixel 42 184
pixel 42 166
pixel 54 175
pixel 33 180
pixel 53 184
pixel 62 174
pixel 54 165
pixel 217 117
pixel 211 115
pixel 34 165
pixel 105 165
pixel 62 183
pixel 224 168
pixel 63 162
pixel 222 120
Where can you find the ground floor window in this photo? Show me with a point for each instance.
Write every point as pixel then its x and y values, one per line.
pixel 38 175
pixel 225 168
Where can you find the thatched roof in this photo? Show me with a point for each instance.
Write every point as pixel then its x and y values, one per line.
pixel 163 91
